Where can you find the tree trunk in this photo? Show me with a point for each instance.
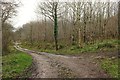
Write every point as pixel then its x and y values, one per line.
pixel 84 29
pixel 80 39
pixel 0 37
pixel 119 20
pixel 4 39
pixel 31 36
pixel 55 27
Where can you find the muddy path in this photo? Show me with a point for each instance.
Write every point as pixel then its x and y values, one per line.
pixel 60 66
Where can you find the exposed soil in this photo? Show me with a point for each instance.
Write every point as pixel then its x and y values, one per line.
pixel 60 66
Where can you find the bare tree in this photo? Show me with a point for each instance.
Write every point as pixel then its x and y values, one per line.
pixel 52 11
pixel 83 22
pixel 8 9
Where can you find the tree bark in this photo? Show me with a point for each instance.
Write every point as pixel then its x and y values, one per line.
pixel 119 20
pixel 56 27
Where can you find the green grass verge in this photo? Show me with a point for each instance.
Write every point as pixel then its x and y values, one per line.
pixel 15 63
pixel 111 66
pixel 106 45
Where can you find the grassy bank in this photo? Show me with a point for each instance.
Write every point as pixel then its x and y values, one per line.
pixel 106 45
pixel 111 66
pixel 15 63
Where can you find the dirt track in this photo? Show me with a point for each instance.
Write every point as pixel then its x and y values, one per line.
pixel 59 66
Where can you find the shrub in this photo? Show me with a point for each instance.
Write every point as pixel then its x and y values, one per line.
pixel 107 45
pixel 75 47
pixel 60 46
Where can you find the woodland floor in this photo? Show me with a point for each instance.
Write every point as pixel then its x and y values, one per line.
pixel 72 66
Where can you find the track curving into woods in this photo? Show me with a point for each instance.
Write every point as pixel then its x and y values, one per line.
pixel 60 66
